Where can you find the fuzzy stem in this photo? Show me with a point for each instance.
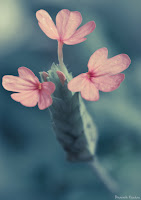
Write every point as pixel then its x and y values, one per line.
pixel 104 176
pixel 60 55
pixel 74 127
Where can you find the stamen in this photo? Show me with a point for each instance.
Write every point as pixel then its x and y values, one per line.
pixel 40 86
pixel 90 74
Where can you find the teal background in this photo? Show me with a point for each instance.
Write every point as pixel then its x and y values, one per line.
pixel 32 163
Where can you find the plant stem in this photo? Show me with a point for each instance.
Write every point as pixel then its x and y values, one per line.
pixel 60 55
pixel 104 176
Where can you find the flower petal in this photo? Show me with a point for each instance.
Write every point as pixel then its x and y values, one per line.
pixel 89 91
pixel 17 84
pixel 113 65
pixel 67 22
pixel 98 58
pixel 108 83
pixel 61 76
pixel 45 100
pixel 26 98
pixel 45 76
pixel 46 24
pixel 82 32
pixel 77 83
pixel 74 41
pixel 27 74
pixel 49 87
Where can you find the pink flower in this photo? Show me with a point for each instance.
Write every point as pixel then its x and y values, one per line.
pixel 61 76
pixel 30 90
pixel 104 75
pixel 66 24
pixel 44 76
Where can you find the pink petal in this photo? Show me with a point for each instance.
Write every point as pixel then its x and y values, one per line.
pixel 89 91
pixel 113 65
pixel 98 58
pixel 67 22
pixel 108 83
pixel 74 41
pixel 45 75
pixel 46 24
pixel 49 87
pixel 45 100
pixel 26 98
pixel 17 84
pixel 77 83
pixel 81 32
pixel 27 74
pixel 61 76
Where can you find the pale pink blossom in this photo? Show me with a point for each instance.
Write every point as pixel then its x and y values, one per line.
pixel 66 26
pixel 103 74
pixel 61 76
pixel 44 76
pixel 29 90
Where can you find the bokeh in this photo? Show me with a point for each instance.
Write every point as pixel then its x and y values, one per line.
pixel 32 163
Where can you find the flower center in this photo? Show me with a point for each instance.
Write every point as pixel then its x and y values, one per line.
pixel 39 86
pixel 90 74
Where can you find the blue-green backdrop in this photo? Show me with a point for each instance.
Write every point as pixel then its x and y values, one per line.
pixel 32 163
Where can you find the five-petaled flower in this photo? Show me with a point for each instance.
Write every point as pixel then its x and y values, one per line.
pixel 65 30
pixel 29 90
pixel 103 74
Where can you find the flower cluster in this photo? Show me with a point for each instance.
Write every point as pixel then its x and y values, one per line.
pixel 29 90
pixel 65 30
pixel 103 74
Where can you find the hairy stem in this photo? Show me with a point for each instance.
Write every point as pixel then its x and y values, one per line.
pixel 104 176
pixel 60 55
pixel 72 124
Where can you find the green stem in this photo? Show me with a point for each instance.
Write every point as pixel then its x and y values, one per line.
pixel 104 176
pixel 60 55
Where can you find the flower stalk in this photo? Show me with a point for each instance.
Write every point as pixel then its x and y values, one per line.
pixel 74 127
pixel 72 123
pixel 60 54
pixel 104 176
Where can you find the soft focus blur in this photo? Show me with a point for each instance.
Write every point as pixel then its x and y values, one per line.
pixel 32 163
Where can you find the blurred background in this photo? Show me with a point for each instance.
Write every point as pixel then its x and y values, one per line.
pixel 32 163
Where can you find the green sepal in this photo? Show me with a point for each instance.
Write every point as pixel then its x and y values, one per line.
pixel 73 126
